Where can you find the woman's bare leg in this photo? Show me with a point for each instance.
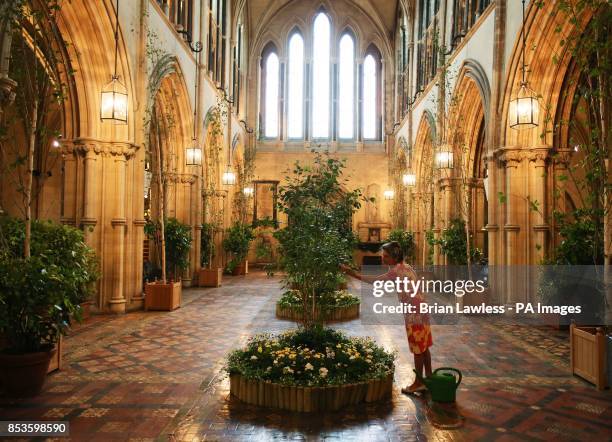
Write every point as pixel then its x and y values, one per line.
pixel 427 362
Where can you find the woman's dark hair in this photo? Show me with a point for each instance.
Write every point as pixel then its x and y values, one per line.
pixel 394 250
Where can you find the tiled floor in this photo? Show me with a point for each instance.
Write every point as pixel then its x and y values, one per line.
pixel 148 376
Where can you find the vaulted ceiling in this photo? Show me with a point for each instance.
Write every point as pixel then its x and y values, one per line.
pixel 382 12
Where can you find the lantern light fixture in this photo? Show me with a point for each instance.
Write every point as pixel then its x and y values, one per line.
pixel 444 157
pixel 409 179
pixel 114 96
pixel 229 177
pixel 193 154
pixel 389 194
pixel 248 191
pixel 524 108
pixel 56 143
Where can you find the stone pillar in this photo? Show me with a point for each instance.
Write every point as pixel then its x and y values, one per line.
pixel 537 193
pixel 512 159
pixel 117 302
pixel 90 196
pixel 560 166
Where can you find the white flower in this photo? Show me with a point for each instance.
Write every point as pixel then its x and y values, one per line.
pixel 323 372
pixel 287 370
pixel 269 369
pixel 309 366
pixel 253 358
pixel 43 271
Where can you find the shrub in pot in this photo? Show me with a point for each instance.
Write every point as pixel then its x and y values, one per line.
pixel 166 294
pixel 39 297
pixel 207 275
pixel 236 242
pixel 313 362
pixel 405 238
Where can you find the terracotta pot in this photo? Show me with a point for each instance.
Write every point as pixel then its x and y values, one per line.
pixel 210 277
pixel 86 310
pixel 241 269
pixel 24 375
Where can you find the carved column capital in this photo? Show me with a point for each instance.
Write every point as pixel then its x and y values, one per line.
pixel 562 158
pixel 89 146
pixel 512 157
pixel 7 92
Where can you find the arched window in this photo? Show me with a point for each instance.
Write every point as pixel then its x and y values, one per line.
pixel 346 88
pixel 295 106
pixel 270 82
pixel 371 105
pixel 321 98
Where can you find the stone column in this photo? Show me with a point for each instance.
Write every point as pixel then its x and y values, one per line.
pixel 537 193
pixel 117 302
pixel 90 195
pixel 512 160
pixel 560 166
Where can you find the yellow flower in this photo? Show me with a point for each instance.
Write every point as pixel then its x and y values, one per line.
pixel 259 349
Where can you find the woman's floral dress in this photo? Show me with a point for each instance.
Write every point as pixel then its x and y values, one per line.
pixel 418 329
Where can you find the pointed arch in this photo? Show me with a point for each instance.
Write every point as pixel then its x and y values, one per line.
pixel 371 94
pixel 270 92
pixel 321 85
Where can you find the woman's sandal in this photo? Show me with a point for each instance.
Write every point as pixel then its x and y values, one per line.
pixel 408 390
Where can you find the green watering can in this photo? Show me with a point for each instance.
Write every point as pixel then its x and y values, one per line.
pixel 442 386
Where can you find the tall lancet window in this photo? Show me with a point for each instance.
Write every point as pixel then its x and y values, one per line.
pixel 271 87
pixel 346 88
pixel 369 97
pixel 295 106
pixel 321 77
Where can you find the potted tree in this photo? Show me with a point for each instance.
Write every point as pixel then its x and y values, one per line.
pixel 40 299
pixel 236 242
pixel 207 275
pixel 405 238
pixel 174 241
pixel 313 369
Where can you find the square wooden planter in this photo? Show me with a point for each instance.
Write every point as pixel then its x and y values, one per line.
pixel 588 354
pixel 242 268
pixel 210 277
pixel 160 296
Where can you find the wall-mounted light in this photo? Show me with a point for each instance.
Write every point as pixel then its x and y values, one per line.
pixel 444 157
pixel 229 177
pixel 114 97
pixel 389 194
pixel 248 191
pixel 56 143
pixel 524 107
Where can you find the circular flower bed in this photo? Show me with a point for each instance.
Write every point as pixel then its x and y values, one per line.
pixel 338 305
pixel 315 369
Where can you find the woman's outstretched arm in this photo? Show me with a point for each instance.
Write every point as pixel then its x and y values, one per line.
pixel 355 274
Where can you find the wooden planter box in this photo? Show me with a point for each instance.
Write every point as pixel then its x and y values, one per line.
pixel 160 296
pixel 473 299
pixel 210 277
pixel 241 269
pixel 588 354
pixel 337 314
pixel 309 399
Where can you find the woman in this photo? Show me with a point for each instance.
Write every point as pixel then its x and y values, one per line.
pixel 418 329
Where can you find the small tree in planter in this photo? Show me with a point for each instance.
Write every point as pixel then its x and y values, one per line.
pixel 405 238
pixel 207 275
pixel 237 241
pixel 173 241
pixel 39 297
pixel 313 369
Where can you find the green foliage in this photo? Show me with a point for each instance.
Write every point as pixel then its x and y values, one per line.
pixel 318 237
pixel 207 244
pixel 405 238
pixel 334 299
pixel 580 244
pixel 237 241
pixel 178 242
pixel 315 356
pixel 39 295
pixel 453 244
